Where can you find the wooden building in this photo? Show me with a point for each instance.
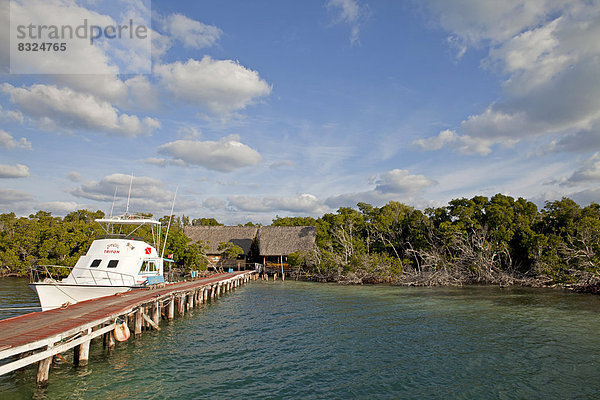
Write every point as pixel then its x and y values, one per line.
pixel 276 242
pixel 212 236
pixel 269 245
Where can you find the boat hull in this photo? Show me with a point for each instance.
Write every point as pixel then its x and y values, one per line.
pixel 55 295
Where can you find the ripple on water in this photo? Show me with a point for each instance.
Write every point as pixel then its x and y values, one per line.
pixel 305 340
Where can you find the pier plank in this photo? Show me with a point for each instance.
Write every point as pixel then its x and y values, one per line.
pixel 44 328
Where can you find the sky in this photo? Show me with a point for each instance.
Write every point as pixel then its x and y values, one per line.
pixel 246 110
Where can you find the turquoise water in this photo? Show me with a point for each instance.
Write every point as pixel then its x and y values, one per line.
pixel 308 340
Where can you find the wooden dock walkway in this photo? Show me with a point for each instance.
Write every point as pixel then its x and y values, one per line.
pixel 39 336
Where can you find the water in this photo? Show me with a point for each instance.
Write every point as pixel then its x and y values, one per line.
pixel 313 341
pixel 16 298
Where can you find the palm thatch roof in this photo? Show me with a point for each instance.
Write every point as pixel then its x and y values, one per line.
pixel 283 240
pixel 242 236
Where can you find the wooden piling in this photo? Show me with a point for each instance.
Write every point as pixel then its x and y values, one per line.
pixel 156 312
pixel 43 371
pixel 138 322
pixel 171 309
pixel 181 304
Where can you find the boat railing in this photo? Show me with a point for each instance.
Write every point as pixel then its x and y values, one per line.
pixel 40 273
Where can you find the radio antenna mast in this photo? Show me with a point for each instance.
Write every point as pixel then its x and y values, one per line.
pixel 113 203
pixel 169 225
pixel 129 194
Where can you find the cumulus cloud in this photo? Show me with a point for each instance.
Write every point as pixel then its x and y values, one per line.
pixel 396 184
pixel 349 12
pixel 122 55
pixel 11 116
pixel 147 194
pixel 225 155
pixel 9 143
pixel 303 203
pixel 218 86
pixel 588 173
pixel 465 144
pixel 58 207
pixel 547 53
pixel 191 33
pixel 59 108
pixel 13 171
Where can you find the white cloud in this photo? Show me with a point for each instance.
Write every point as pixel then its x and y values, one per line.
pixel 10 197
pixel 119 55
pixel 74 176
pixel 475 21
pixel 588 173
pixel 303 203
pixel 147 194
pixel 396 184
pixel 9 143
pixel 191 33
pixel 548 53
pixel 14 171
pixel 11 116
pixel 218 86
pixel 401 181
pixel 465 144
pixel 58 207
pixel 226 155
pixel 214 203
pixel 282 164
pixel 351 13
pixel 60 108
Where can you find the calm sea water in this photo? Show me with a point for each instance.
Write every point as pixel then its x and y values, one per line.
pixel 315 341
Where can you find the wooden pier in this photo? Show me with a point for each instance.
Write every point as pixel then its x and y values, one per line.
pixel 38 337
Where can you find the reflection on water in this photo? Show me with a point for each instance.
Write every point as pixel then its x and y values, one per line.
pixel 307 340
pixel 16 298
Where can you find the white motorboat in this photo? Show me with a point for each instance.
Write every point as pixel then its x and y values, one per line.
pixel 113 264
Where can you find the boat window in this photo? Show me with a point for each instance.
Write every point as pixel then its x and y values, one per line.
pixel 148 266
pixel 113 263
pixel 95 263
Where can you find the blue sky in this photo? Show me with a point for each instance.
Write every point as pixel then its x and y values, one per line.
pixel 263 108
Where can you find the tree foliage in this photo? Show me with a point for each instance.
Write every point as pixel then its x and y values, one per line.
pixel 479 239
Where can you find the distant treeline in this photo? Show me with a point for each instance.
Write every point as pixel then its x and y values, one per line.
pixel 479 240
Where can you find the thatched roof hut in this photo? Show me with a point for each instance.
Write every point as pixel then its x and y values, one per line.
pixel 242 236
pixel 283 240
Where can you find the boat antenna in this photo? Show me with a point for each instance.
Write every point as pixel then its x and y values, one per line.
pixel 129 194
pixel 113 203
pixel 169 225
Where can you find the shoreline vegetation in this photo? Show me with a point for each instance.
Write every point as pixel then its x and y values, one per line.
pixel 497 241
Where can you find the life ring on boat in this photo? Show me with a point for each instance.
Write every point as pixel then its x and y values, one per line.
pixel 121 331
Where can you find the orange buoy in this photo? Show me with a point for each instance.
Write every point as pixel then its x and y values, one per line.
pixel 121 331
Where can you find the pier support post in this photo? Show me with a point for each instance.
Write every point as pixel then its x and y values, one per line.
pixel 171 309
pixel 191 300
pixel 156 312
pixel 82 352
pixel 44 370
pixel 138 323
pixel 181 304
pixel 205 294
